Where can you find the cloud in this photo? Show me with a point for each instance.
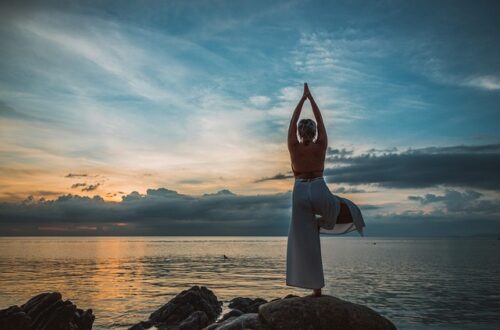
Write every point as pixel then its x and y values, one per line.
pixel 340 152
pixel 7 112
pixel 46 193
pixel 432 225
pixel 462 166
pixel 112 53
pixel 191 181
pixel 484 82
pixel 428 198
pixel 366 207
pixel 114 81
pixel 223 192
pixel 162 209
pixel 91 187
pixel 159 211
pixel 461 201
pixel 259 100
pixel 278 176
pixel 75 175
pixel 376 150
pixel 441 70
pixel 77 185
pixel 339 54
pixel 454 213
pixel 350 190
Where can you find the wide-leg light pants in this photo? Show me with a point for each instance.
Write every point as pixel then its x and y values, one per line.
pixel 304 267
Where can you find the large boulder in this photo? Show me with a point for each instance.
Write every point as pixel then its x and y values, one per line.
pixel 317 313
pixel 181 310
pixel 46 311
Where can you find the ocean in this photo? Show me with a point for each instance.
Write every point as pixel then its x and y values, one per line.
pixel 416 283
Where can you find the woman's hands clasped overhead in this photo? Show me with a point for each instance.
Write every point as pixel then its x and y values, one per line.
pixel 307 93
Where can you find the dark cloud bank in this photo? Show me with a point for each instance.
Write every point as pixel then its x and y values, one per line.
pixel 158 212
pixel 459 166
pixel 461 210
pixel 166 212
pixel 455 166
pixel 460 213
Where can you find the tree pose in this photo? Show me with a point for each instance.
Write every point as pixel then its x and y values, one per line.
pixel 311 196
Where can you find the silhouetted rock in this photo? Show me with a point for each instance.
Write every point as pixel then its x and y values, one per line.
pixel 196 308
pixel 142 325
pixel 231 313
pixel 139 326
pixel 182 306
pixel 214 326
pixel 85 319
pixel 247 305
pixel 46 311
pixel 249 321
pixel 14 318
pixel 325 312
pixel 196 321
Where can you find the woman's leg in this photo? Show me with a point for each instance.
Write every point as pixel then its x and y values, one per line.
pixel 304 264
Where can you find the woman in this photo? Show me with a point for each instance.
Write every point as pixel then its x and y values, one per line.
pixel 311 197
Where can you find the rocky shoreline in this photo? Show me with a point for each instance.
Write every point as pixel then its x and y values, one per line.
pixel 46 311
pixel 198 308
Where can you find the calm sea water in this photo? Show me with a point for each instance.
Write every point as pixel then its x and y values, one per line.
pixel 417 283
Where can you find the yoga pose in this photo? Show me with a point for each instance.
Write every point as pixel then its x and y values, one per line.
pixel 311 196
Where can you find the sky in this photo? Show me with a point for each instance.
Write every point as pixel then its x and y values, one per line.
pixel 170 117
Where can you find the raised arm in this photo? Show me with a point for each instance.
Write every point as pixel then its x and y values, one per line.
pixel 322 138
pixel 292 129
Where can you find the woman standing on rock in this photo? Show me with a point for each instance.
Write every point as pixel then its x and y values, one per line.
pixel 311 197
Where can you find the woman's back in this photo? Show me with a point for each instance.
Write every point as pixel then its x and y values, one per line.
pixel 308 160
